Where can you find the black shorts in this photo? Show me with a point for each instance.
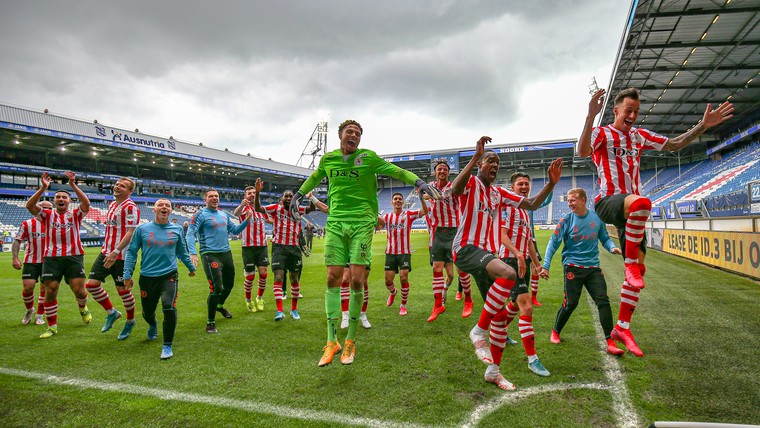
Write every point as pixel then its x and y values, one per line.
pixel 253 257
pixel 396 262
pixel 99 272
pixel 286 257
pixel 521 283
pixel 31 271
pixel 611 209
pixel 473 260
pixel 68 267
pixel 442 240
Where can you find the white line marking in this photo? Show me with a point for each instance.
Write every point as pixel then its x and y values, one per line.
pixel 484 410
pixel 621 401
pixel 250 406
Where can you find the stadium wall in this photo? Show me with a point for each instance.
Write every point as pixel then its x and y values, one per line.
pixel 729 244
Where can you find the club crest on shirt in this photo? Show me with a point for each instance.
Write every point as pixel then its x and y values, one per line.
pixel 359 159
pixel 570 276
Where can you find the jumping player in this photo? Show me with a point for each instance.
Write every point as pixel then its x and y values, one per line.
pixel 476 243
pixel 352 196
pixel 616 150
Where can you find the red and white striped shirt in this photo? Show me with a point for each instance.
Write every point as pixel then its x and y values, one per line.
pixel 253 235
pixel 517 225
pixel 120 218
pixel 481 213
pixel 445 212
pixel 617 155
pixel 33 232
pixel 398 227
pixel 62 230
pixel 286 228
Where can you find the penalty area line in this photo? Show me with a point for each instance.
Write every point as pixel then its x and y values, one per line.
pixel 169 395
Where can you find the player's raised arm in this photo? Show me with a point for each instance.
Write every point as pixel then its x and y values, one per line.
pixel 459 183
pixel 594 107
pixel 555 172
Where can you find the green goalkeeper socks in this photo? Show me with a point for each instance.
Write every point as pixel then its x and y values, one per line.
pixel 355 302
pixel 332 308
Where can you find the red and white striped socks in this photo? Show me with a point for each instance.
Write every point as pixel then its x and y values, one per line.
pixel 129 303
pixel 634 228
pixel 100 295
pixel 495 299
pixel 438 289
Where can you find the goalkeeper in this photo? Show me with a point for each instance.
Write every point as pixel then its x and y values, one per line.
pixel 352 197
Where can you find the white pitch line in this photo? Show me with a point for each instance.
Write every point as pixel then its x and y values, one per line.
pixel 621 401
pixel 249 406
pixel 484 410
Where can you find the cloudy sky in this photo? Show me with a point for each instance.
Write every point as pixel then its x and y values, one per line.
pixel 257 76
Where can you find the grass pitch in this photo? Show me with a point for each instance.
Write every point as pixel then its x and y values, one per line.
pixel 698 327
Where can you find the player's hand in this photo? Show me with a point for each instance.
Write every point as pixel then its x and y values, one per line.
pixel 16 263
pixel 544 273
pixel 258 185
pixel 521 266
pixel 191 273
pixel 721 113
pixel 295 205
pixel 244 203
pixel 555 171
pixel 128 283
pixel 194 259
pixel 110 259
pixel 616 251
pixel 536 269
pixel 596 103
pixel 480 146
pixel 45 180
pixel 424 188
pixel 72 177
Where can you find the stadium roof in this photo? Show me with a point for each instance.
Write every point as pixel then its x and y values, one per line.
pixel 683 54
pixel 41 134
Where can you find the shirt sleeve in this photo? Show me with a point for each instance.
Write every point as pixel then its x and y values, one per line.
pixel 182 254
pixel 236 228
pixel 554 243
pixel 132 216
pixel 314 179
pixel 597 138
pixel 509 198
pixel 130 260
pixel 192 230
pixel 386 168
pixel 651 140
pixel 604 237
pixel 23 232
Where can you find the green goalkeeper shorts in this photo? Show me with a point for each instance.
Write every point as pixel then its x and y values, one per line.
pixel 346 241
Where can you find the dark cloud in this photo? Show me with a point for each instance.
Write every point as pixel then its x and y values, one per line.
pixel 272 62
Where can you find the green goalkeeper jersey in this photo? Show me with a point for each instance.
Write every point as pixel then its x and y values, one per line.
pixel 352 183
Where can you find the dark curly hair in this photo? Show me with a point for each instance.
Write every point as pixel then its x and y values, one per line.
pixel 349 122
